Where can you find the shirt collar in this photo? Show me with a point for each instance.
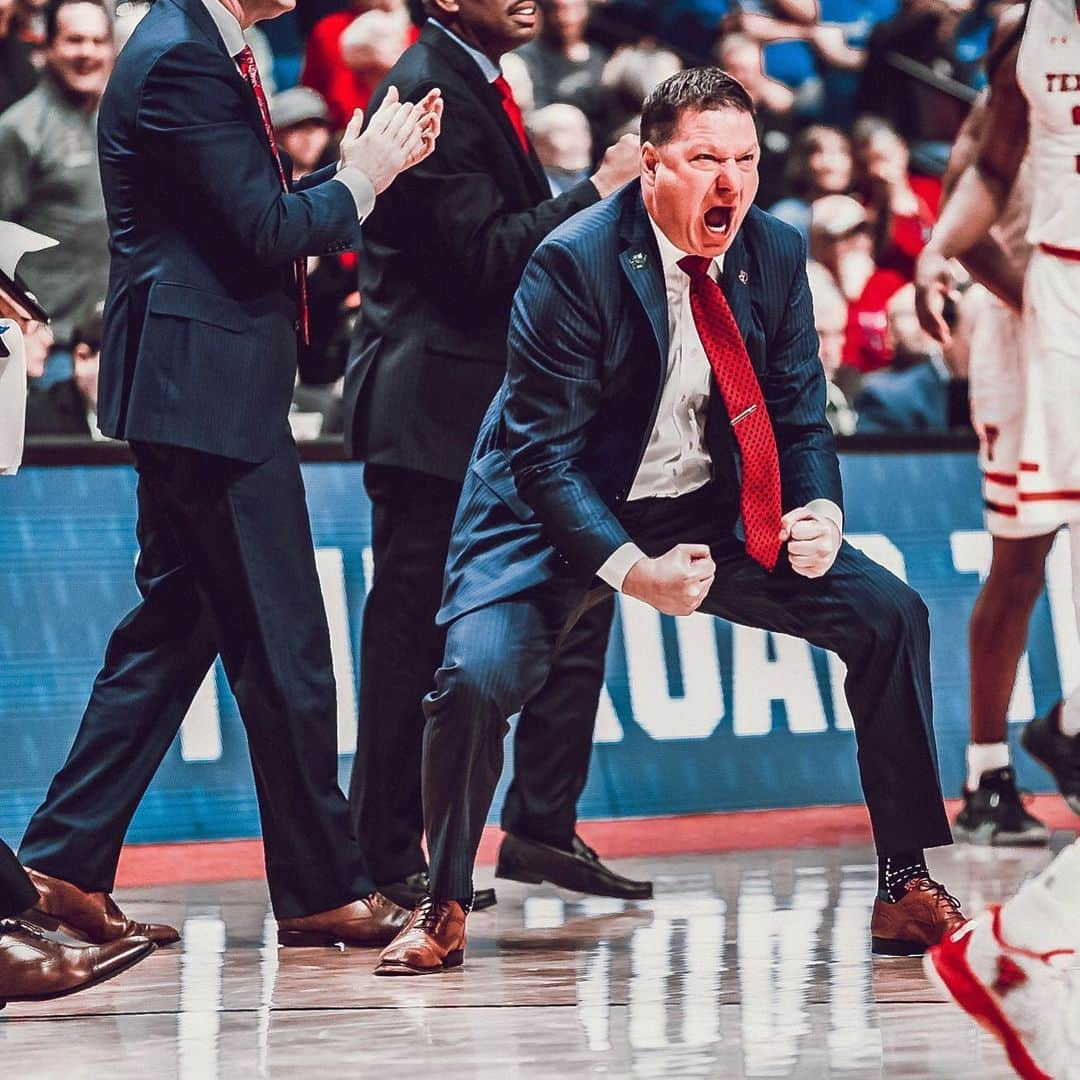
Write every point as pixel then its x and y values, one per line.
pixel 229 29
pixel 491 71
pixel 670 256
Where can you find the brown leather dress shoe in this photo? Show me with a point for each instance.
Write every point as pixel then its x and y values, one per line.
pixel 434 940
pixel 92 917
pixel 35 968
pixel 922 917
pixel 372 920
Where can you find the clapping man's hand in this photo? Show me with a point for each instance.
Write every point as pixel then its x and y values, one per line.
pixel 675 583
pixel 813 541
pixel 398 136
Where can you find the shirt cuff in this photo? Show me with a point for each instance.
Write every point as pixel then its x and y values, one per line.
pixel 826 508
pixel 619 564
pixel 360 187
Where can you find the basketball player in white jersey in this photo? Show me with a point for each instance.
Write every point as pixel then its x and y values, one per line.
pixel 1033 483
pixel 993 810
pixel 1014 968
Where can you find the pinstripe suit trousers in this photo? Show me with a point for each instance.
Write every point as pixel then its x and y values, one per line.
pixel 498 656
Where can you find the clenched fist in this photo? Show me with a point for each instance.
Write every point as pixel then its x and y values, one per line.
pixel 675 583
pixel 813 541
pixel 622 162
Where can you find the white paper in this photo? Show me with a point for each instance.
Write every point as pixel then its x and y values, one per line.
pixel 15 242
pixel 12 397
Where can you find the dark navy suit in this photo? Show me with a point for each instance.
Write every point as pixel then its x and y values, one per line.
pixel 545 505
pixel 197 367
pixel 441 257
pixel 17 892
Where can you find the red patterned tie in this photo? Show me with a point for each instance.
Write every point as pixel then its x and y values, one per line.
pixel 245 59
pixel 734 375
pixel 510 107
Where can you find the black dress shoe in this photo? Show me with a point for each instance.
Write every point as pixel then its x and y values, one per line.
pixel 408 893
pixel 580 869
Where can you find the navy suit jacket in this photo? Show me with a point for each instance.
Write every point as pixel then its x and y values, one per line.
pixel 560 446
pixel 199 346
pixel 441 257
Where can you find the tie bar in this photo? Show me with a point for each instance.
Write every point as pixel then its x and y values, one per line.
pixel 743 415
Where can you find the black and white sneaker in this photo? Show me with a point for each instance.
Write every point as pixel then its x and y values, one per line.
pixel 1058 754
pixel 994 814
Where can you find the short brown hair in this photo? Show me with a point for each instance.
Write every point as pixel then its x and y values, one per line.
pixel 693 90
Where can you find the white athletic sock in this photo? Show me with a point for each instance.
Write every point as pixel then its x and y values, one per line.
pixel 1044 914
pixel 984 758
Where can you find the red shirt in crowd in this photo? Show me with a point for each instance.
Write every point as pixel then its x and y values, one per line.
pixel 326 71
pixel 866 344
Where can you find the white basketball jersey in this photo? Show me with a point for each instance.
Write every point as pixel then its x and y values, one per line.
pixel 1048 71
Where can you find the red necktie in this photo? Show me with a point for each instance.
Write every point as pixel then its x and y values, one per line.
pixel 245 58
pixel 510 107
pixel 734 375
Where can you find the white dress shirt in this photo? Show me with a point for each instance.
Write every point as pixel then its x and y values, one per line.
pixel 359 186
pixel 676 460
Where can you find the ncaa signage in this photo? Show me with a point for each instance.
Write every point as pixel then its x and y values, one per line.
pixel 696 714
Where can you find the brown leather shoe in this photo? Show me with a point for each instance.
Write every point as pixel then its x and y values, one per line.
pixel 922 917
pixel 36 968
pixel 434 940
pixel 372 920
pixel 92 917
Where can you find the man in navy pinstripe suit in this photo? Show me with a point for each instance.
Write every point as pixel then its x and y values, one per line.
pixel 661 431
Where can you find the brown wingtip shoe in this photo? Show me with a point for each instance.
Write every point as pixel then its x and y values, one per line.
pixel 36 968
pixel 89 916
pixel 922 917
pixel 371 920
pixel 433 941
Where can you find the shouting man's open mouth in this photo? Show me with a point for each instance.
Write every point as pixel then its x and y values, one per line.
pixel 718 220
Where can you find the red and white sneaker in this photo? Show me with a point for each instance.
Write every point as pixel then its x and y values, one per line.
pixel 1021 997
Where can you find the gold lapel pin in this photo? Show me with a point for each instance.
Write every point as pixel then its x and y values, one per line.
pixel 744 277
pixel 638 260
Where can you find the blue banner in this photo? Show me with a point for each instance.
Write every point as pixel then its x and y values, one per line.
pixel 697 715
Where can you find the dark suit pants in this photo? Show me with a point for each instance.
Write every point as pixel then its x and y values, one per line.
pixel 498 656
pixel 412 517
pixel 17 893
pixel 226 563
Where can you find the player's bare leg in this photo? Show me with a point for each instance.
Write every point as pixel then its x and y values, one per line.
pixel 993 812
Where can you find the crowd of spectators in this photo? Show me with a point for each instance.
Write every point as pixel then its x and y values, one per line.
pixel 858 102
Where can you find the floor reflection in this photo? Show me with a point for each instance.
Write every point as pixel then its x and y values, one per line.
pixel 744 965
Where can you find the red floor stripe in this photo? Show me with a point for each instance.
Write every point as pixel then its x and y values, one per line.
pixel 814 826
